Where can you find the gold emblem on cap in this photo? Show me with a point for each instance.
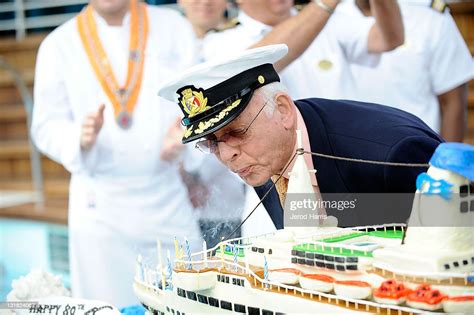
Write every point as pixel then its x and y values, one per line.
pixel 261 79
pixel 188 131
pixel 325 64
pixel 193 102
pixel 203 126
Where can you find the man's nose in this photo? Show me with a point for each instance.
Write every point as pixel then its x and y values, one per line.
pixel 227 153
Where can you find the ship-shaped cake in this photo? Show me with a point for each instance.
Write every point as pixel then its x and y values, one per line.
pixel 387 269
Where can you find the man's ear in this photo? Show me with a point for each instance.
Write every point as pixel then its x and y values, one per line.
pixel 286 109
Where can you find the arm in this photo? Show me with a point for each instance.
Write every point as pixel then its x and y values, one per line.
pixel 453 113
pixel 387 33
pixel 54 130
pixel 307 25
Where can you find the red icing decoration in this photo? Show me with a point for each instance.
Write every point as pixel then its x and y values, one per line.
pixel 424 294
pixel 354 283
pixel 318 277
pixel 391 289
pixel 461 298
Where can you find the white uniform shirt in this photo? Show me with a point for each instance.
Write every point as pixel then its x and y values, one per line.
pixel 433 60
pixel 322 70
pixel 124 165
pixel 120 190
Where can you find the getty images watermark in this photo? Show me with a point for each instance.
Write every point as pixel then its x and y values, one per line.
pixel 363 209
pixel 308 210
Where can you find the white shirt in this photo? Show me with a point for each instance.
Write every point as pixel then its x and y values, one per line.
pixel 322 70
pixel 121 181
pixel 433 60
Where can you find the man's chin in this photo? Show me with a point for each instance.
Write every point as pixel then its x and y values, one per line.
pixel 255 180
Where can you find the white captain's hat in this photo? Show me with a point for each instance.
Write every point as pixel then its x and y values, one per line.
pixel 214 93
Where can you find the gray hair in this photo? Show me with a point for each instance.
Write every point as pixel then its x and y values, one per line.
pixel 268 93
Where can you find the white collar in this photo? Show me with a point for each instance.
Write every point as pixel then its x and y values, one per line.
pixel 255 27
pixel 102 23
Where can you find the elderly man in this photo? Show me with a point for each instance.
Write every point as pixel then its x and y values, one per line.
pixel 240 112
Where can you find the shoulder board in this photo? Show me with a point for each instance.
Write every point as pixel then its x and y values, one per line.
pixel 227 26
pixel 439 5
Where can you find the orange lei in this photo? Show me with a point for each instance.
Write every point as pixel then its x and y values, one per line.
pixel 123 98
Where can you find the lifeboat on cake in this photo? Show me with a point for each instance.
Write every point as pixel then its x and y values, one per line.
pixel 459 304
pixel 391 292
pixel 192 280
pixel 353 289
pixel 317 282
pixel 284 275
pixel 426 298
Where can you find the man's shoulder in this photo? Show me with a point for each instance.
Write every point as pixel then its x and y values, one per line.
pixel 226 31
pixel 365 122
pixel 169 24
pixel 62 33
pixel 220 43
pixel 164 17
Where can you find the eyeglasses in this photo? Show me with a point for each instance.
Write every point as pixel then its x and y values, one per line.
pixel 232 138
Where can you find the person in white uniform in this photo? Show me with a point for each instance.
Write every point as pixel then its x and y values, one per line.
pixel 320 68
pixel 426 76
pixel 209 180
pixel 96 111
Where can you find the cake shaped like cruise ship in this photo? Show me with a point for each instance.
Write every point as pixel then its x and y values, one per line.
pixel 387 269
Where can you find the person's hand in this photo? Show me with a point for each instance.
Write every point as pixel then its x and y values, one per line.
pixel 172 145
pixel 91 128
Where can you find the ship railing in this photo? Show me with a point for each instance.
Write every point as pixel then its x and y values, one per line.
pixel 229 267
pixel 235 242
pixel 240 242
pixel 345 231
pixel 246 242
pixel 151 279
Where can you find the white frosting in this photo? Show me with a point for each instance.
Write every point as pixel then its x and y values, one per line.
pixel 390 301
pixel 439 240
pixel 195 281
pixel 51 297
pixel 458 307
pixel 37 284
pixel 353 292
pixel 316 285
pixel 283 277
pixel 424 306
pixel 436 223
pixel 439 237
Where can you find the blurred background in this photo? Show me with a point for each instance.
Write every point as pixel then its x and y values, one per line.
pixel 34 189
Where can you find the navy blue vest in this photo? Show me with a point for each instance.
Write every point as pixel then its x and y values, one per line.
pixel 362 131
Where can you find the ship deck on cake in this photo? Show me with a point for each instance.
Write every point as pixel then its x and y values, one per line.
pixel 387 269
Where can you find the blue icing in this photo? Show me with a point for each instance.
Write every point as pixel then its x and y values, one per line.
pixel 133 310
pixel 435 186
pixel 455 157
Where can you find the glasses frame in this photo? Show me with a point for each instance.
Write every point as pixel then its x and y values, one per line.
pixel 214 143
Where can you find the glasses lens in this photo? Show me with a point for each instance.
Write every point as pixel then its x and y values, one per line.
pixel 206 146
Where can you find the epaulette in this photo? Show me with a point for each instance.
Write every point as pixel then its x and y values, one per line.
pixel 439 5
pixel 227 26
